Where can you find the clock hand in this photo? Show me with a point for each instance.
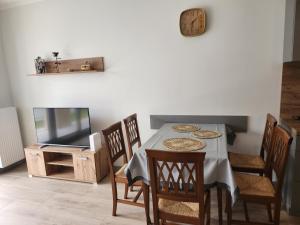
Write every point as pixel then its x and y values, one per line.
pixel 194 19
pixel 192 23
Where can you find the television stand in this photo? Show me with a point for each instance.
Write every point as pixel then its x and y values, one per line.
pixel 66 163
pixel 84 148
pixel 43 146
pixel 81 148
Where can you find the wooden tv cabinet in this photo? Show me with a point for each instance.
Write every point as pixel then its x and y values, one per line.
pixel 66 163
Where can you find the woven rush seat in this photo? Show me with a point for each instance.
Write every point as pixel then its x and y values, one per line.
pixel 238 160
pixel 120 176
pixel 121 171
pixel 252 185
pixel 179 208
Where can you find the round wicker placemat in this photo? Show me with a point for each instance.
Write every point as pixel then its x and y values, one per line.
pixel 183 144
pixel 184 128
pixel 207 134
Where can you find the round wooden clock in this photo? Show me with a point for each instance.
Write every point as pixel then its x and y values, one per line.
pixel 192 22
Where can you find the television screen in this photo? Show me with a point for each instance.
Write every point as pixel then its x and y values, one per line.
pixel 62 126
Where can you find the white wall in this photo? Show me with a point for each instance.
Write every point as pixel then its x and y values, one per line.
pixel 290 13
pixel 5 94
pixel 233 69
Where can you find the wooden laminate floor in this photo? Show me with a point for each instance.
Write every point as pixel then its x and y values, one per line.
pixel 42 201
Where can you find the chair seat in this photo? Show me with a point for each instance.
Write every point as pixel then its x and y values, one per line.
pixel 245 161
pixel 120 176
pixel 179 208
pixel 190 209
pixel 252 185
pixel 121 171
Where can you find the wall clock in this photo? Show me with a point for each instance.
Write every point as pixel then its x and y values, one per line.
pixel 192 22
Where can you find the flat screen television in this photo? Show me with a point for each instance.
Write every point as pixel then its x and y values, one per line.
pixel 62 126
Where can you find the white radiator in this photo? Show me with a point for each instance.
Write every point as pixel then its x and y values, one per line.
pixel 11 147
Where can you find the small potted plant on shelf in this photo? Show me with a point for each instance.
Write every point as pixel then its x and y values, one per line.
pixel 40 65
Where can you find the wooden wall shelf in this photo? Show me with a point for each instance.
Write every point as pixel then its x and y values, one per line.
pixel 73 66
pixel 62 73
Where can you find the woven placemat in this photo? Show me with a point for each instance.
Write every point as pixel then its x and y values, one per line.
pixel 207 134
pixel 184 128
pixel 183 144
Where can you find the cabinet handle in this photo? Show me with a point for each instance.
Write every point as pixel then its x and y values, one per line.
pixel 83 158
pixel 35 154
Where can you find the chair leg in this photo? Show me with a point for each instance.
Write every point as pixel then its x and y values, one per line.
pixel 269 209
pixel 115 198
pixel 226 207
pixel 277 213
pixel 229 208
pixel 138 195
pixel 219 196
pixel 246 211
pixel 145 189
pixel 126 191
pixel 208 209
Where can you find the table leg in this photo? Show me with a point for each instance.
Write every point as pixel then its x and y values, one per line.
pixel 220 211
pixel 147 202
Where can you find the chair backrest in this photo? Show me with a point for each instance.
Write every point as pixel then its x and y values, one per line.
pixel 132 132
pixel 271 123
pixel 115 144
pixel 278 155
pixel 176 176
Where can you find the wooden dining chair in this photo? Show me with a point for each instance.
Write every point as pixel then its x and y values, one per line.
pixel 132 133
pixel 261 189
pixel 177 186
pixel 251 163
pixel 115 147
pixel 254 163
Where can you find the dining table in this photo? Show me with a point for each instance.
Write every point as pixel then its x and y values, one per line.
pixel 217 169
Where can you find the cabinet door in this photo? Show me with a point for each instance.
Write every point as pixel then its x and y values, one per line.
pixel 84 167
pixel 35 162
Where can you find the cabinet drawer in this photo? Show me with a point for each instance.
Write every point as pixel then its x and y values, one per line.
pixel 84 167
pixel 35 162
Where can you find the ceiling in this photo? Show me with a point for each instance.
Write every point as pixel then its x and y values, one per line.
pixel 5 4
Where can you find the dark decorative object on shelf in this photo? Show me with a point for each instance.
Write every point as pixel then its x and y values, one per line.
pixel 40 65
pixel 57 63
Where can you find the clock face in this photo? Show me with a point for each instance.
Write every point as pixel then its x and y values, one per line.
pixel 192 22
